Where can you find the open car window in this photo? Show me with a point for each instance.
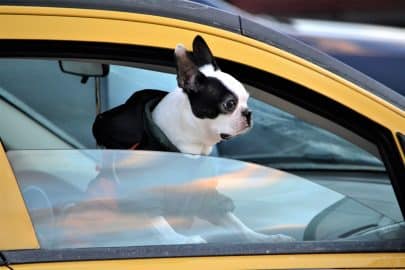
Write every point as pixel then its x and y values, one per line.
pixel 290 175
pixel 283 140
pixel 60 103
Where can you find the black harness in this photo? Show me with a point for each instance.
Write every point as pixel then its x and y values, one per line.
pixel 130 125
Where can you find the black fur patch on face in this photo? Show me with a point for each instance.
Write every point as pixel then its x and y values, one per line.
pixel 211 99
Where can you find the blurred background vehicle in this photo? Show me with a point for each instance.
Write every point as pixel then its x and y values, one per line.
pixel 376 50
pixel 389 12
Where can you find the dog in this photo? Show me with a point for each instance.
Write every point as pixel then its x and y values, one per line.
pixel 207 107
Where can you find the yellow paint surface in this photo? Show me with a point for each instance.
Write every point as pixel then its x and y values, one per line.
pixel 16 231
pixel 323 261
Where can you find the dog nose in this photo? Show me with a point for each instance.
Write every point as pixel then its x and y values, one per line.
pixel 248 114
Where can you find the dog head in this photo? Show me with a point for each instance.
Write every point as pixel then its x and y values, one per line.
pixel 215 97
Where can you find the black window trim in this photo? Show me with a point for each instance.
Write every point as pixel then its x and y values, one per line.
pixel 200 250
pixel 298 95
pixel 401 138
pixel 3 260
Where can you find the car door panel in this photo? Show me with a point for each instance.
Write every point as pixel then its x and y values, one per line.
pixel 97 28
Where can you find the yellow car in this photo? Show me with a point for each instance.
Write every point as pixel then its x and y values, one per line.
pixel 322 165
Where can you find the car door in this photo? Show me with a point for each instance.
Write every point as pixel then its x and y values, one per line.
pixel 328 136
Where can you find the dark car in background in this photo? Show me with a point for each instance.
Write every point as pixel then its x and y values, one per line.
pixel 377 51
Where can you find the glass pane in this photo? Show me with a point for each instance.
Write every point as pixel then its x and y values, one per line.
pixel 123 81
pixel 58 101
pixel 280 139
pixel 57 108
pixel 98 198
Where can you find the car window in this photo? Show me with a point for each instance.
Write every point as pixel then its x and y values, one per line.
pixel 65 106
pixel 280 139
pixel 38 93
pixel 98 198
pixel 289 179
pixel 123 81
pixel 56 100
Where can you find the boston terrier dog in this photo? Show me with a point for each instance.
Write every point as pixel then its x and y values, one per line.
pixel 207 107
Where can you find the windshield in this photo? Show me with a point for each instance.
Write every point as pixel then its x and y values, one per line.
pixel 98 198
pixel 279 139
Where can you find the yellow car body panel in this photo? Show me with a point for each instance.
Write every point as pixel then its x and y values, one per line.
pixel 319 261
pixel 16 231
pixel 41 23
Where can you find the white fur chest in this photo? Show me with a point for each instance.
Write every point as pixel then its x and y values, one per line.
pixel 173 115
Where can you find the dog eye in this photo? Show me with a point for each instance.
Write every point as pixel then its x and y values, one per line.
pixel 229 105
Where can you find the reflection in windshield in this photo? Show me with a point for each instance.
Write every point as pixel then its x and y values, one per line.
pixel 281 140
pixel 124 198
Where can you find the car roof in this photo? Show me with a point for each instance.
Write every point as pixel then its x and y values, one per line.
pixel 195 12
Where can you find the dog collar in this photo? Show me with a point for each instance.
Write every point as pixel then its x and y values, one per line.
pixel 153 130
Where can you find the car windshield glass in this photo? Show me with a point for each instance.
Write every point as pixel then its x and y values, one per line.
pixel 99 198
pixel 282 140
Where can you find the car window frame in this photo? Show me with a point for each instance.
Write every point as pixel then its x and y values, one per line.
pixel 299 95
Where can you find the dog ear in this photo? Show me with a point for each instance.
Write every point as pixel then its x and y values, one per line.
pixel 189 78
pixel 202 53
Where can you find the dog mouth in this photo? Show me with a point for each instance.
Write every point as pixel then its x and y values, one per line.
pixel 225 136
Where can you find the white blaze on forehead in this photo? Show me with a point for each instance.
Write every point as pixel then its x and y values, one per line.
pixel 230 82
